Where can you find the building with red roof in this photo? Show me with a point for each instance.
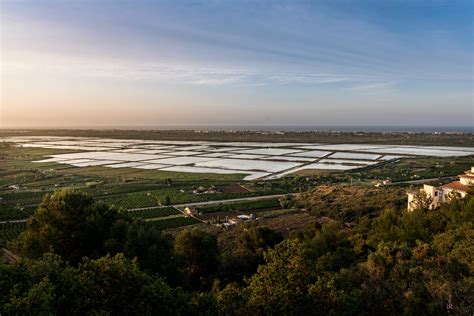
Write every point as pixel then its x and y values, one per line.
pixel 441 194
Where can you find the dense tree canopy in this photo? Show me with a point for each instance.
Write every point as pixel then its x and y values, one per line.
pixel 199 254
pixel 109 285
pixel 390 262
pixel 247 253
pixel 72 225
pixel 398 263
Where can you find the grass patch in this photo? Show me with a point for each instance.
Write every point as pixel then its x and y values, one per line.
pixel 345 202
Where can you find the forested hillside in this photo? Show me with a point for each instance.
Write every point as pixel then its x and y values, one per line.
pixel 82 257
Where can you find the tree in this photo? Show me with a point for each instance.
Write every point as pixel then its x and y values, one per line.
pixel 232 300
pixel 457 243
pixel 72 225
pixel 257 239
pixel 116 285
pixel 422 201
pixel 106 286
pixel 287 201
pixel 198 252
pixel 167 200
pixel 153 250
pixel 280 286
pixel 247 254
pixel 415 226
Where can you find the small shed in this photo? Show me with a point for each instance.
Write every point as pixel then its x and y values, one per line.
pixel 191 211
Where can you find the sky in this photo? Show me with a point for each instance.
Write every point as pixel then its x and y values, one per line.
pixel 118 63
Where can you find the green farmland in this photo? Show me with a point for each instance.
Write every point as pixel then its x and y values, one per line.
pixel 23 185
pixel 241 206
pixel 10 231
pixel 154 213
pixel 172 222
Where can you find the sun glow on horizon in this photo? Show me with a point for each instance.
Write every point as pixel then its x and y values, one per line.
pixel 140 63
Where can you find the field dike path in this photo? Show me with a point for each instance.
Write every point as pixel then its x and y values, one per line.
pixel 216 202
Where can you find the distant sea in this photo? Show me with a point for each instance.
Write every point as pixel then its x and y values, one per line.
pixel 282 128
pixel 303 128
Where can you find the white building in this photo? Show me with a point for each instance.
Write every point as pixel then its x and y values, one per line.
pixel 442 193
pixel 190 211
pixel 467 178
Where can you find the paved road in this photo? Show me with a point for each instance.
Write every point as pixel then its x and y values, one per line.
pixel 423 180
pixel 14 221
pixel 216 202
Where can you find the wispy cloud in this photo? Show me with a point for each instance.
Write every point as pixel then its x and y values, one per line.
pixel 345 58
pixel 374 86
pixel 191 75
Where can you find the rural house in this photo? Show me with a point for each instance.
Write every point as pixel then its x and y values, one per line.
pixel 190 211
pixel 440 194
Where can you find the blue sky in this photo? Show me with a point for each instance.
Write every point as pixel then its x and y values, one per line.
pixel 119 63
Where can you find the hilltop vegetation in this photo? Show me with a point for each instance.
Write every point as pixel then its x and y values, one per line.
pixel 380 261
pixel 347 203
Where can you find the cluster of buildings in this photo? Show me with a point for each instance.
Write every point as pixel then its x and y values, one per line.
pixel 383 183
pixel 441 194
pixel 203 190
pixel 239 219
pixel 228 222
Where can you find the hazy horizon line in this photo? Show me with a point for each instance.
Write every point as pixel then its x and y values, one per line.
pixel 259 127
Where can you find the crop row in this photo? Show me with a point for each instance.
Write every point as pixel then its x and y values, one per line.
pixel 131 200
pixel 154 213
pixel 23 198
pixel 241 206
pixel 8 212
pixel 10 231
pixel 172 222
